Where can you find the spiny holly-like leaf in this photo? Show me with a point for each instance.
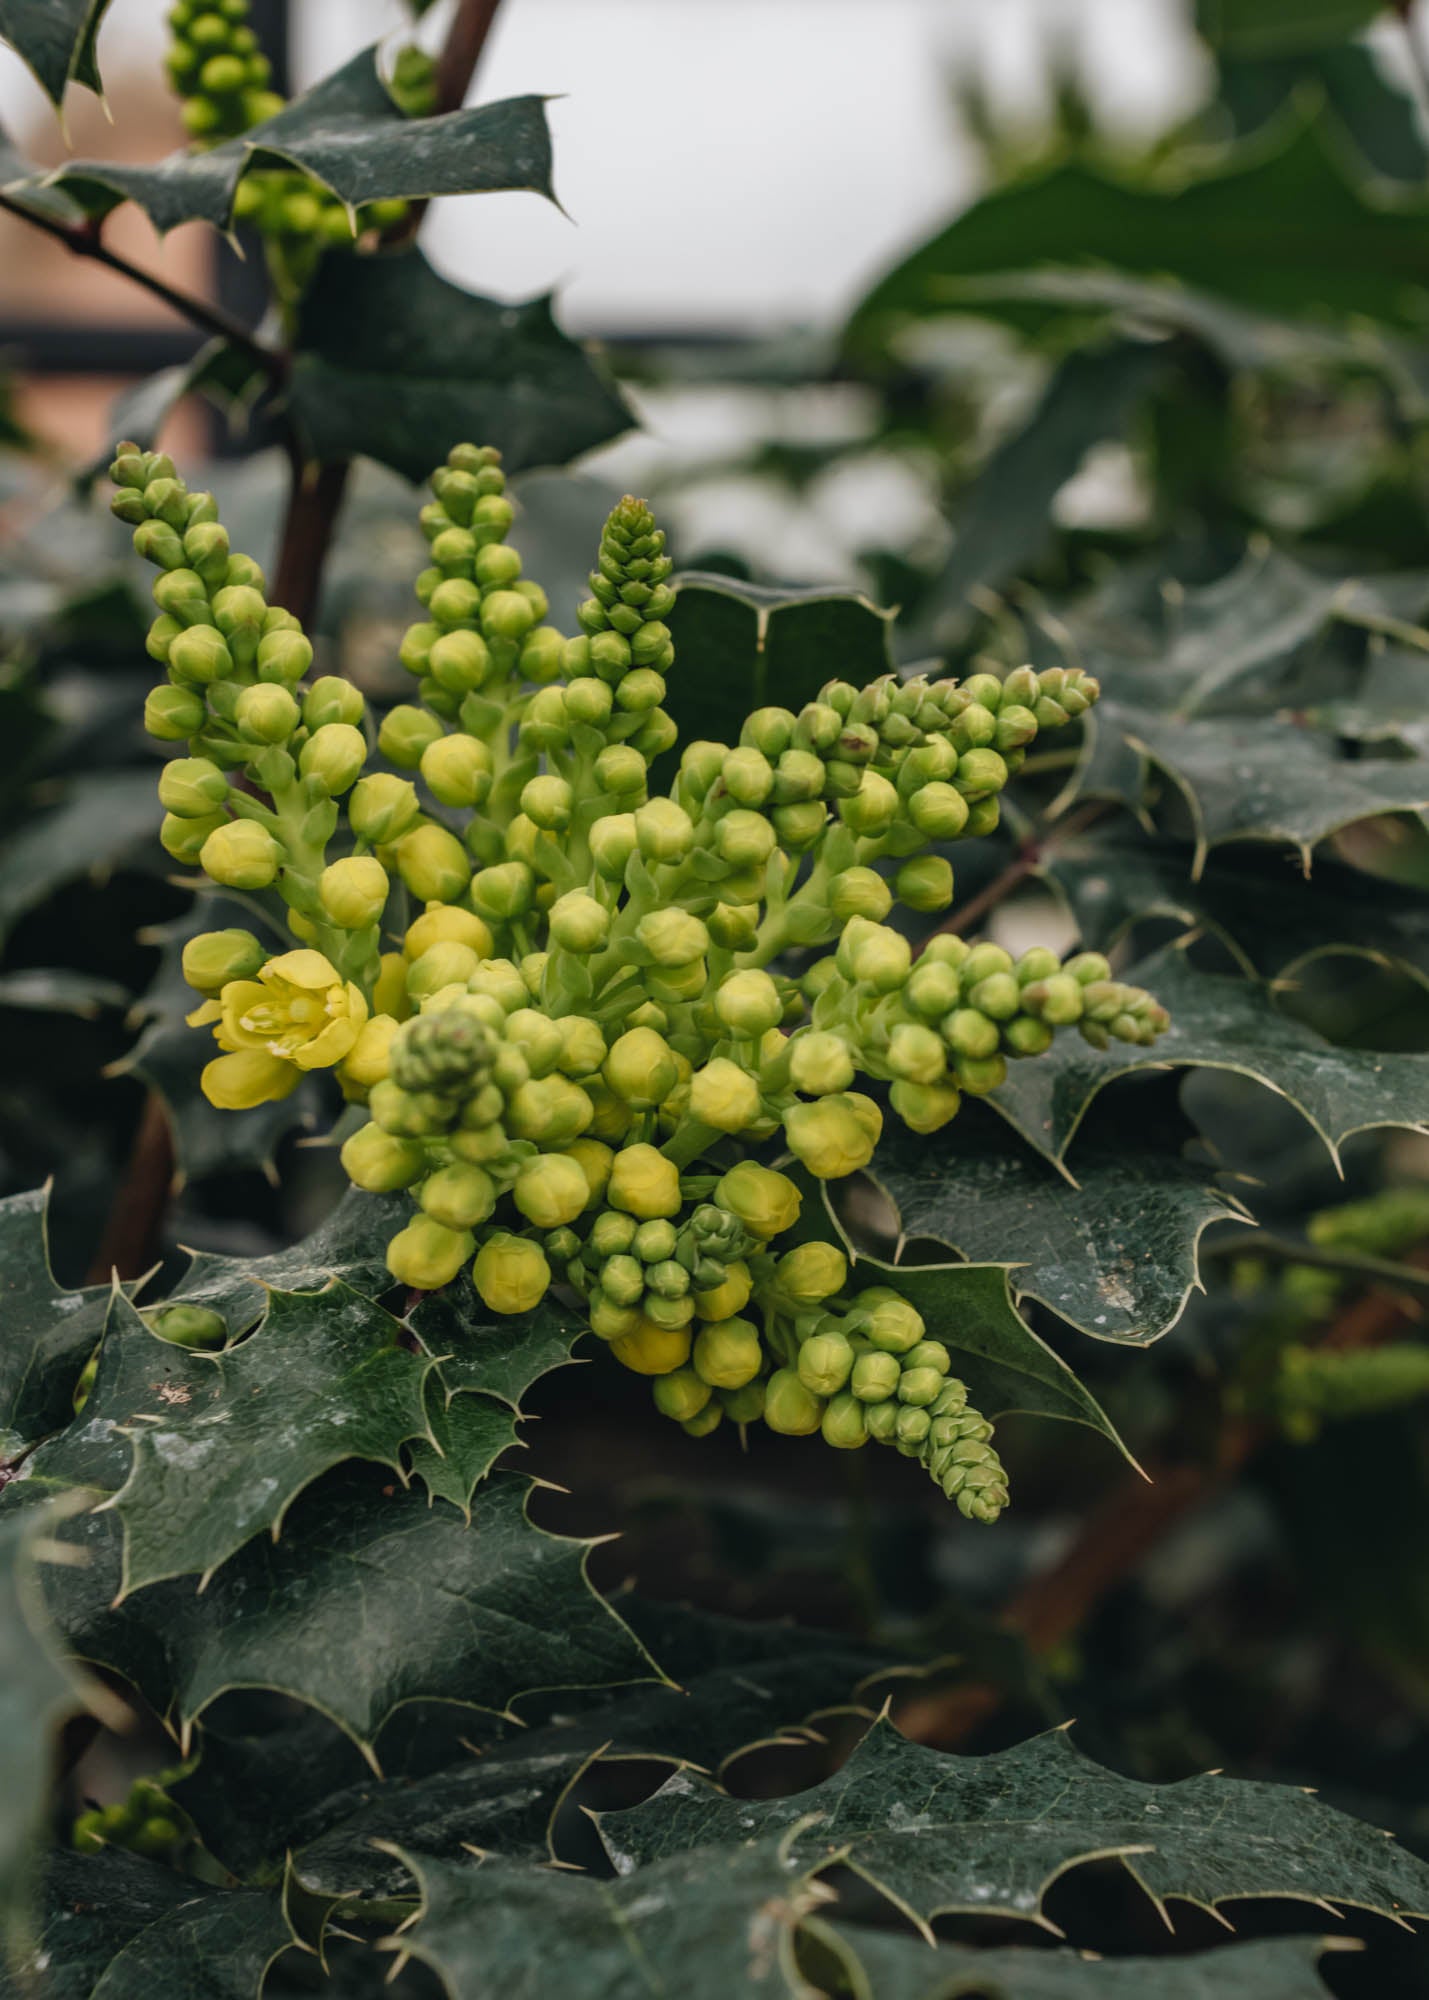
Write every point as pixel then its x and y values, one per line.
pixel 1388 706
pixel 350 1244
pixel 372 1599
pixel 1244 778
pixel 936 1833
pixel 1242 28
pixel 1006 1367
pixel 1220 1022
pixel 169 1056
pixel 742 645
pixel 1284 230
pixel 119 1928
pixel 884 1965
pixel 396 363
pixel 103 819
pixel 241 1433
pixel 38 1689
pixel 707 1926
pixel 1115 1255
pixel 46 1333
pixel 467 1434
pixel 51 37
pixel 347 133
pixel 495 1354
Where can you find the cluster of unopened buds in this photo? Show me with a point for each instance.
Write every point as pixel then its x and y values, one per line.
pixel 591 1022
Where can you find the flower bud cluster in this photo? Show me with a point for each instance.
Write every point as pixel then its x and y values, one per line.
pixel 218 70
pixel 147 1822
pixel 562 997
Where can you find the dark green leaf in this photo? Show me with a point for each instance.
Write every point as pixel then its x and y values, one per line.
pixel 1115 1254
pixel 396 363
pixel 373 1598
pixel 708 1926
pixel 1265 27
pixel 51 37
pixel 238 1435
pixel 498 1354
pixel 1284 230
pixel 469 1433
pixel 1220 1022
pixel 92 1907
pixel 347 133
pixel 46 1335
pixel 38 1689
pixel 104 817
pixel 350 1244
pixel 1006 1367
pixel 739 646
pixel 883 1965
pixel 936 1833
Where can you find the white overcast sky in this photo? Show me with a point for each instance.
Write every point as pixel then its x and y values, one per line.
pixel 730 164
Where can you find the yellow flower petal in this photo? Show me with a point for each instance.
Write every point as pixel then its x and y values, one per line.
pixel 323 1050
pixel 300 968
pixel 238 1081
pixel 205 1014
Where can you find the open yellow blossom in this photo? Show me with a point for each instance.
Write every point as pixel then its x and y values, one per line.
pixel 297 1014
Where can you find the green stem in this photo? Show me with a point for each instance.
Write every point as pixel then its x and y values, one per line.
pixel 1353 1264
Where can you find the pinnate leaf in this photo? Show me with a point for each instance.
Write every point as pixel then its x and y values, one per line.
pixel 936 1833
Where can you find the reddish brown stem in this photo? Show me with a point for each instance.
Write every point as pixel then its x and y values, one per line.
pixel 1017 871
pixel 133 1235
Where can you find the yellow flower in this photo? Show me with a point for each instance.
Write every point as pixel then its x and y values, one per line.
pixel 298 1014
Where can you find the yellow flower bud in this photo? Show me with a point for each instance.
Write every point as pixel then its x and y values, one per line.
pixel 819 1062
pixel 380 1163
pixel 828 1137
pixel 595 1161
pixel 240 854
pixel 645 1184
pixel 578 922
pixel 925 1107
pixel 548 1111
pixel 442 923
pixel 641 1068
pixel 212 958
pixel 426 1255
pixel 727 1354
pixel 673 937
pixel 246 1077
pixel 726 1299
pixel 333 757
pixel 843 1423
pixel 887 1319
pixel 441 965
pixel 389 994
pixel 457 769
pixel 370 1057
pixel 724 1095
pixel 266 714
pixel 766 1202
pixel 551 1190
pixel 653 1350
pixel 459 1197
pixel 511 1273
pixel 811 1273
pixel 433 864
pixel 744 839
pixel 681 1395
pixel 789 1407
pixel 353 891
pixel 582 1046
pixel 664 831
pixel 192 787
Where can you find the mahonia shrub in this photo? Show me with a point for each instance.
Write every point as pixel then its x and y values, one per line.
pixel 564 997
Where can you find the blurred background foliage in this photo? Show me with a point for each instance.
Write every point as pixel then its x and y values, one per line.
pixel 1157 409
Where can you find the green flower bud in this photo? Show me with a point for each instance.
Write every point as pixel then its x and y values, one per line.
pixel 748 1003
pixel 502 982
pixel 184 838
pixel 811 1273
pixel 887 1320
pixel 970 1033
pixel 709 1419
pixel 925 1107
pixel 381 808
pixel 457 770
pixel 503 891
pixel 590 701
pixel 188 1326
pixel 978 1075
pixel 426 1254
pixel 748 776
pixel 405 734
pixel 654 1242
pixel 442 965
pixel 433 864
pixel 998 996
pixel 505 614
pixel 932 989
pixel 200 655
pixel 673 937
pixel 192 787
pixel 701 763
pixel 578 922
pixel 542 653
pixel 333 757
pixel 641 1069
pixel 283 657
pixel 789 1407
pixel 733 926
pixel 925 884
pixel 681 1395
pixel 911 1429
pixel 744 839
pixel 938 810
pixel 727 1353
pixel 173 714
pixel 843 1424
pixel 622 1279
pixel 916 1054
pixel 266 714
pixel 770 730
pixel 928 1354
pixel 609 651
pixel 645 1184
pixel 156 542
pixel 212 958
pixel 550 1190
pixel 766 1202
pixel 549 1111
pixel 979 772
pixel 639 691
pixel 860 892
pixel 240 854
pixel 331 700
pixel 825 1363
pixel 549 801
pixel 919 1386
pixel 380 1162
pixel 743 1406
pixel 874 955
pixel 611 1233
pixel 819 1062
pixel 872 809
pixel 612 842
pixel 353 891
pixel 668 1280
pixel 511 1273
pixel 875 1377
pixel 621 769
pixel 833 1136
pixel 881 1420
pixel 798 827
pixel 664 831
